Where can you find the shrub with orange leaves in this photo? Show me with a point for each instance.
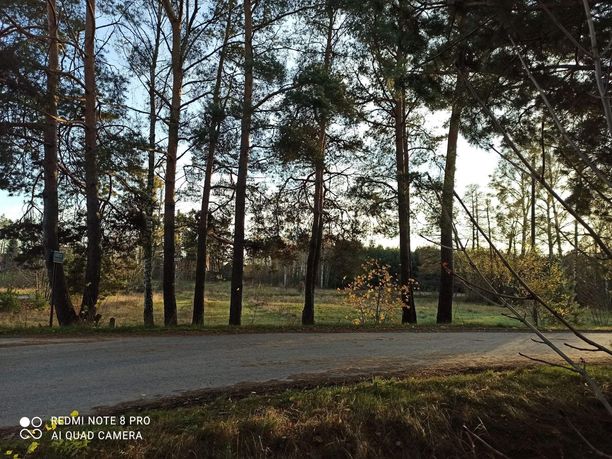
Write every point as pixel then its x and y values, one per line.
pixel 375 294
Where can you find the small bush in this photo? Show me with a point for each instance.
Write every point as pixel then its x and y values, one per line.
pixel 375 294
pixel 9 302
pixel 38 301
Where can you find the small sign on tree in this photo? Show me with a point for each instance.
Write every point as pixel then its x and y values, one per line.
pixel 57 257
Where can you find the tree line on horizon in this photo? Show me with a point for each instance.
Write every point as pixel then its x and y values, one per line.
pixel 301 124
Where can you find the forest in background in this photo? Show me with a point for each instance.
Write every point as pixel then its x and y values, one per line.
pixel 303 130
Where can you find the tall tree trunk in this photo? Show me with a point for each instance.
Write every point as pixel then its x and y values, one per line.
pixel 525 205
pixel 409 316
pixel 549 232
pixel 148 242
pixel 60 298
pixel 403 207
pixel 316 234
pixel 243 162
pixel 176 19
pixel 476 207
pixel 445 299
pixel 533 205
pixel 94 230
pixel 148 234
pixel 549 223
pixel 534 305
pixel 557 229
pixel 213 137
pixel 490 234
pixel 511 239
pixel 474 230
pixel 316 237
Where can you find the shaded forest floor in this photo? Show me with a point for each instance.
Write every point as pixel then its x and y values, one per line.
pixel 266 307
pixel 532 412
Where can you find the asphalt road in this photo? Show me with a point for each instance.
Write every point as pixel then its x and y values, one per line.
pixel 51 377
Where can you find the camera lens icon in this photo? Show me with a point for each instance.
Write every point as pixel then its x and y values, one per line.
pixel 30 433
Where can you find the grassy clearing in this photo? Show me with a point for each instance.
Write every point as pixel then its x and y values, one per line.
pixel 265 308
pixel 521 413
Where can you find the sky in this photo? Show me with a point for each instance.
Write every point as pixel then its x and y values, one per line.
pixel 474 167
pixel 11 207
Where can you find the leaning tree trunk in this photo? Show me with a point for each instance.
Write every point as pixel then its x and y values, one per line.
pixel 403 207
pixel 445 299
pixel 94 230
pixel 170 314
pixel 60 298
pixel 243 162
pixel 213 134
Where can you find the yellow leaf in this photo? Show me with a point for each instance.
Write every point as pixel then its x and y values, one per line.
pixel 53 425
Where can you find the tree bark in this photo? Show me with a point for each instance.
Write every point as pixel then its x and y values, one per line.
pixel 148 236
pixel 94 229
pixel 170 314
pixel 148 242
pixel 241 181
pixel 316 234
pixel 403 207
pixel 55 272
pixel 535 317
pixel 533 215
pixel 557 225
pixel 445 299
pixel 549 234
pixel 525 205
pixel 316 237
pixel 213 133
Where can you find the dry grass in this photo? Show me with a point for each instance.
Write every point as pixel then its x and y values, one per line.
pixel 521 413
pixel 263 306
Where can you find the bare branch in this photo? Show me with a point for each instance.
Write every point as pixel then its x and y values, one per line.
pixel 552 364
pixel 584 439
pixel 534 295
pixel 477 437
pixel 580 348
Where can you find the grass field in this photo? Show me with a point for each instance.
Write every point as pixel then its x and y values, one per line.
pixel 263 306
pixel 520 413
